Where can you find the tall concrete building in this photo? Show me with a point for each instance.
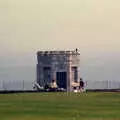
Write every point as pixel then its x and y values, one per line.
pixel 62 66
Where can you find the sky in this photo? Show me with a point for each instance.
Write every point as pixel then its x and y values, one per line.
pixel 92 26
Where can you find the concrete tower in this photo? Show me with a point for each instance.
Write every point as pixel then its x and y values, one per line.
pixel 62 66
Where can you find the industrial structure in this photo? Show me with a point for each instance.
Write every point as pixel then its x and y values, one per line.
pixel 61 66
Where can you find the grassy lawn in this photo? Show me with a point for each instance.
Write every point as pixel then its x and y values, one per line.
pixel 60 106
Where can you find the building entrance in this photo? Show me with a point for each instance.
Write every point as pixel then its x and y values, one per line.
pixel 62 79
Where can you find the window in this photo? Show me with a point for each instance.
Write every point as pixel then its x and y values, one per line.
pixel 75 74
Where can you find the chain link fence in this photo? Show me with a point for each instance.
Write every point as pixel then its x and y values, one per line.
pixel 22 85
pixel 102 85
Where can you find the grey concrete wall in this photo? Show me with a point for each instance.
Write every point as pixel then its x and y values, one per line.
pixel 57 61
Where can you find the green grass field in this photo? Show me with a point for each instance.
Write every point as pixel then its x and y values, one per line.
pixel 60 106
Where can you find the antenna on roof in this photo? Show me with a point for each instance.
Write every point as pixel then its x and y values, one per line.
pixel 76 50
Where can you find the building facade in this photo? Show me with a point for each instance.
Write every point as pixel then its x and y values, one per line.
pixel 62 66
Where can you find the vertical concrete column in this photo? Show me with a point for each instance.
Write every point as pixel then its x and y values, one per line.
pixel 37 73
pixel 54 73
pixel 78 70
pixel 40 74
pixel 69 74
pixel 43 81
pixel 53 68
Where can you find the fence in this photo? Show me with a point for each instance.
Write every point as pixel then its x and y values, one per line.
pixel 28 85
pixel 102 85
pixel 16 85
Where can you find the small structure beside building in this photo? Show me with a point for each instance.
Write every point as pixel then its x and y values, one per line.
pixel 61 66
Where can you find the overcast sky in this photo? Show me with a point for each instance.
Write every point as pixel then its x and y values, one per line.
pixel 93 26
